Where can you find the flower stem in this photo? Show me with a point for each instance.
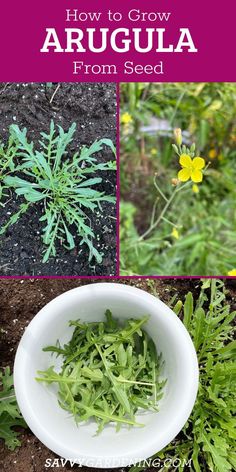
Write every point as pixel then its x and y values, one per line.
pixel 159 190
pixel 155 224
pixel 163 212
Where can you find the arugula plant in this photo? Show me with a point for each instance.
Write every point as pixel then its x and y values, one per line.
pixel 65 186
pixel 10 415
pixel 108 372
pixel 208 438
pixel 7 161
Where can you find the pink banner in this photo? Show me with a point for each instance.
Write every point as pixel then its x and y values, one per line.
pixel 91 41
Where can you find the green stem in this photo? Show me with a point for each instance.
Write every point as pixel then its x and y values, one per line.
pixel 5 166
pixel 52 242
pixel 162 214
pixel 178 102
pixel 134 382
pixel 169 222
pixel 59 380
pixel 101 414
pixel 14 218
pixel 159 190
pixel 151 228
pixel 211 312
pixel 154 211
pixel 8 397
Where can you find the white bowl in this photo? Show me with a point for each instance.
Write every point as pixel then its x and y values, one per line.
pixel 55 427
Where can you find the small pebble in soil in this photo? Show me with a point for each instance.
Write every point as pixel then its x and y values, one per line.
pixel 24 255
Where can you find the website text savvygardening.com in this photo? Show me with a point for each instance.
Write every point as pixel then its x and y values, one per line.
pixel 168 462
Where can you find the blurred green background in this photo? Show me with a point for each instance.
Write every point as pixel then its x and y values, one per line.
pixel 205 219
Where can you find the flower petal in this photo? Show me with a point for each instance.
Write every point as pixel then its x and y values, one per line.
pixel 196 176
pixel 198 163
pixel 185 160
pixel 184 175
pixel 195 188
pixel 175 233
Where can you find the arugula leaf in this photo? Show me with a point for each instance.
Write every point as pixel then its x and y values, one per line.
pixel 10 415
pixel 106 374
pixel 208 438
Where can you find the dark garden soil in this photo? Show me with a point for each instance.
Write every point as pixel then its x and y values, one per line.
pixel 33 105
pixel 20 300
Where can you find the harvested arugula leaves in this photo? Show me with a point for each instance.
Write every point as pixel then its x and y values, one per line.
pixel 108 372
pixel 10 415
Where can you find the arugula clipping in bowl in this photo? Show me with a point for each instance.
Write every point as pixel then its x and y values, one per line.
pixel 109 371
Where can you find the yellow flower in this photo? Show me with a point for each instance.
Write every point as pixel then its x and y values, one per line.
pixel 212 154
pixel 126 118
pixel 232 272
pixel 153 151
pixel 221 157
pixel 192 168
pixel 175 233
pixel 178 136
pixel 195 188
